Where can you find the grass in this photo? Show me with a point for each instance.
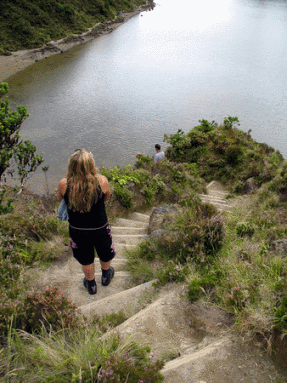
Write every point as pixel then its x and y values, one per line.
pixel 222 258
pixel 32 23
pixel 82 355
pixel 241 275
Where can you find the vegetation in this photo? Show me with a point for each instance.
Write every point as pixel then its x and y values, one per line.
pixel 32 23
pixel 222 258
pixel 14 151
pixel 225 259
pixel 81 355
pixel 224 153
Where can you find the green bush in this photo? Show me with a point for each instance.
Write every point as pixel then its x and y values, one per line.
pixel 38 309
pixel 173 272
pixel 233 154
pixel 124 196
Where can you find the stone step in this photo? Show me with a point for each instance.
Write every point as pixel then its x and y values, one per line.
pixel 130 223
pixel 128 300
pixel 118 274
pixel 121 249
pixel 218 192
pixel 120 230
pixel 213 200
pixel 165 324
pixel 128 239
pixel 216 187
pixel 139 217
pixel 187 367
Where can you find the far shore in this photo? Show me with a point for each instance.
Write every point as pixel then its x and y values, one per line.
pixel 10 65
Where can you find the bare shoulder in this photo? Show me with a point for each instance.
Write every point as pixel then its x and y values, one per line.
pixel 62 188
pixel 63 182
pixel 102 179
pixel 104 186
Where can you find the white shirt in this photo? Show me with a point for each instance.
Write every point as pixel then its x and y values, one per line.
pixel 158 156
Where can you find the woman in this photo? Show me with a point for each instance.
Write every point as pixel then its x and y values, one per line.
pixel 85 192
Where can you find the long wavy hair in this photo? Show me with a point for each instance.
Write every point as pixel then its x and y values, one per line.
pixel 83 184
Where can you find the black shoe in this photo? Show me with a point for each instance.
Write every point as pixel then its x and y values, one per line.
pixel 108 276
pixel 91 286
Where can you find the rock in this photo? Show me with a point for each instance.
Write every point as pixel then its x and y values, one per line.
pixel 158 216
pixel 279 246
pixel 131 186
pixel 249 186
pixel 157 233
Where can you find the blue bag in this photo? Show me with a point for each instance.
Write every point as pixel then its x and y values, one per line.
pixel 63 211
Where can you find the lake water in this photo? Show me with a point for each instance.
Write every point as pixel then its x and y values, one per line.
pixel 161 71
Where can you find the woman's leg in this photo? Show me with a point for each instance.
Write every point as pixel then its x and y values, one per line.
pixel 89 271
pixel 105 265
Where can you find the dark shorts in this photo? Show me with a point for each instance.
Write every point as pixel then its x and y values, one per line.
pixel 85 241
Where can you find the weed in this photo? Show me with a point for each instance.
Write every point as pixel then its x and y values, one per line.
pixel 281 315
pixel 80 356
pixel 245 228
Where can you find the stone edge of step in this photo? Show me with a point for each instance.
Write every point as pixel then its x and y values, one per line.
pixel 116 302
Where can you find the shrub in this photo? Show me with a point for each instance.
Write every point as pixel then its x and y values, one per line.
pixel 206 126
pixel 144 162
pixel 124 196
pixel 233 154
pixel 48 308
pixel 174 272
pixel 238 187
pixel 198 234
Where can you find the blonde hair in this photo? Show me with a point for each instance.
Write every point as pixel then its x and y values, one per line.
pixel 82 181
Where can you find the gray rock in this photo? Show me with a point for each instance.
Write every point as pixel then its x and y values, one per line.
pixel 157 233
pixel 279 246
pixel 249 186
pixel 158 216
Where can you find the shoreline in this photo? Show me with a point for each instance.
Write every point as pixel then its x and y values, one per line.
pixel 19 60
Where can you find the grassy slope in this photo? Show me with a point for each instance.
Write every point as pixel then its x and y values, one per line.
pixel 32 23
pixel 224 260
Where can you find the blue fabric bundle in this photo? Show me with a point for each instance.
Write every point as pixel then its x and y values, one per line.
pixel 63 211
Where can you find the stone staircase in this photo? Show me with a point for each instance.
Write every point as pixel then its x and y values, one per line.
pixel 194 340
pixel 216 195
pixel 120 295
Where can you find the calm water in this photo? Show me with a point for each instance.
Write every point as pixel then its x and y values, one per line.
pixel 161 71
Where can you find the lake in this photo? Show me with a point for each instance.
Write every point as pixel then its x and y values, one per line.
pixel 161 71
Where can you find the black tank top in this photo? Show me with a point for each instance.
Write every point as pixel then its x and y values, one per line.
pixel 93 219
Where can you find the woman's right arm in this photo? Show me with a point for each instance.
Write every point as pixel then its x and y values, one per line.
pixel 61 189
pixel 105 187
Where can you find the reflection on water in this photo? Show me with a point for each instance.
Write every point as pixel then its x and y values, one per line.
pixel 161 71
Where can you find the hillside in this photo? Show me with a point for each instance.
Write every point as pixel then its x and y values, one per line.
pixel 217 253
pixel 32 23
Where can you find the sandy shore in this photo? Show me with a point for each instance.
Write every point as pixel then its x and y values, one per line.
pixel 9 65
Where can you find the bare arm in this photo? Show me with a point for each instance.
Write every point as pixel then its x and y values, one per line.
pixel 61 189
pixel 105 187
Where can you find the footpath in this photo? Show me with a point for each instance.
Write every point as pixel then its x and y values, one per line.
pixel 195 340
